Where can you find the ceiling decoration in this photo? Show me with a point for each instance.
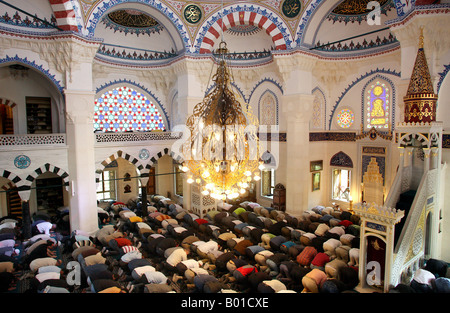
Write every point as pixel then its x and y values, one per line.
pixel 192 13
pixel 291 8
pixel 132 22
pixel 243 30
pixel 132 18
pixel 355 7
pixel 351 11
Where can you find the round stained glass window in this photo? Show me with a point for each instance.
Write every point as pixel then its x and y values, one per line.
pixel 124 109
pixel 345 118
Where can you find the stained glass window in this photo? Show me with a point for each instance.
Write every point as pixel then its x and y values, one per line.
pixel 345 118
pixel 124 109
pixel 377 106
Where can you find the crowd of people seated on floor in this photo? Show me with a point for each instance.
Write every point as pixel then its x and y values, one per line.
pixel 235 249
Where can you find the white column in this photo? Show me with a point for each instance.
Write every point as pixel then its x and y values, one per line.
pixel 81 160
pixel 298 181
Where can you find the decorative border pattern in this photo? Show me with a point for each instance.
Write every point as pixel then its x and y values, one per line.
pixel 305 20
pixel 135 136
pixel 33 64
pixel 332 136
pixel 126 81
pixel 270 80
pixel 18 20
pixel 32 139
pixel 442 76
pixel 353 83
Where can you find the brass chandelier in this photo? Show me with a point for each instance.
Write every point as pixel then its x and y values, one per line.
pixel 222 151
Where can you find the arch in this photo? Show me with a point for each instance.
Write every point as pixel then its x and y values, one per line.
pixel 243 15
pixel 47 167
pixel 353 83
pixel 310 16
pixel 166 151
pixel 12 177
pixel 442 76
pixel 65 14
pixel 319 120
pixel 341 159
pixel 407 139
pixel 99 9
pixel 265 109
pixel 126 156
pixel 39 68
pixel 121 82
pixel 269 80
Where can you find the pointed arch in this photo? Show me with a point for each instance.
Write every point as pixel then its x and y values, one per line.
pixel 387 98
pixel 243 15
pixel 341 159
pixel 47 167
pixel 319 109
pixel 268 108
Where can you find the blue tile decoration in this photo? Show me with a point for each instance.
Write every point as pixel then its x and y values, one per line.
pixel 442 76
pixel 22 161
pixel 144 154
pixel 18 20
pixel 126 81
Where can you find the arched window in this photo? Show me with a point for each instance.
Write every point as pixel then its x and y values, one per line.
pixel 341 165
pixel 124 109
pixel 377 105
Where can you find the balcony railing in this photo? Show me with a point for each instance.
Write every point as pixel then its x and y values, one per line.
pixel 37 140
pixel 32 140
pixel 136 136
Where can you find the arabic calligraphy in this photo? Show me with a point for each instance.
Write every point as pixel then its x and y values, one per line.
pixel 192 14
pixel 291 8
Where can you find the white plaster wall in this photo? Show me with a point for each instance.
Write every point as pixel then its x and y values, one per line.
pixel 33 85
pixel 41 8
pixel 165 183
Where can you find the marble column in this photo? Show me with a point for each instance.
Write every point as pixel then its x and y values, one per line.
pixel 81 160
pixel 298 182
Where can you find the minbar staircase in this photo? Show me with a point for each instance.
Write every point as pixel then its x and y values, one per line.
pixel 404 203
